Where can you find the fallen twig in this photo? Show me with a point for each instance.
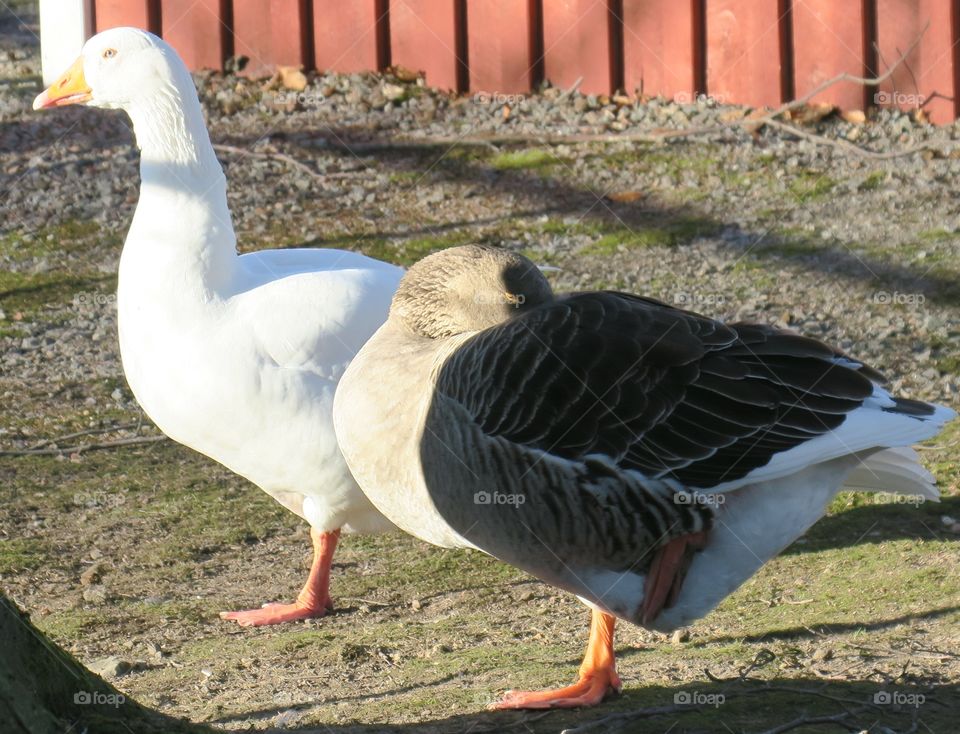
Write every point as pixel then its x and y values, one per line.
pixel 816 721
pixel 846 144
pixel 516 724
pixel 624 716
pixel 84 447
pixel 371 602
pixel 87 432
pixel 285 158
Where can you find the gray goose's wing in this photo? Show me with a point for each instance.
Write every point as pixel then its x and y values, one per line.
pixel 668 393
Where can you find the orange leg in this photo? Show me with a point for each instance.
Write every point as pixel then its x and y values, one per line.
pixel 667 572
pixel 314 598
pixel 598 675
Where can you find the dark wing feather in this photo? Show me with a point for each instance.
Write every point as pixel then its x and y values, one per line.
pixel 657 389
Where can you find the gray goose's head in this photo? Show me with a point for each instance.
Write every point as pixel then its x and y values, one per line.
pixel 466 289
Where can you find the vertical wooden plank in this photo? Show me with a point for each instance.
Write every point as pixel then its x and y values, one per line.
pixel 501 41
pixel 64 26
pixel 423 37
pixel 117 13
pixel 929 75
pixel 350 36
pixel 197 30
pixel 743 52
pixel 269 34
pixel 830 38
pixel 577 43
pixel 290 33
pixel 659 48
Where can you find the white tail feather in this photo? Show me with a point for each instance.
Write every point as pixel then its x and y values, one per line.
pixel 896 470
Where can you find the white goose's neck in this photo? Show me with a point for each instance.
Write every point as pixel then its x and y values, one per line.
pixel 171 133
pixel 181 229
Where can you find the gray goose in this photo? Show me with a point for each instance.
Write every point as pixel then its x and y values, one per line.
pixel 645 458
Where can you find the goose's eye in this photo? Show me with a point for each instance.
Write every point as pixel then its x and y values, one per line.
pixel 109 53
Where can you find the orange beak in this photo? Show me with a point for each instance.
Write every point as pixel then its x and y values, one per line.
pixel 70 88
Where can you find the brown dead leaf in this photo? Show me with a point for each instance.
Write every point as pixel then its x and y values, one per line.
pixel 625 197
pixel 920 116
pixel 754 121
pixel 732 115
pixel 856 117
pixel 810 114
pixel 274 82
pixel 506 112
pixel 292 78
pixel 403 74
pixel 622 100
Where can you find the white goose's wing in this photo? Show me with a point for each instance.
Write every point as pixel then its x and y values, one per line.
pixel 313 309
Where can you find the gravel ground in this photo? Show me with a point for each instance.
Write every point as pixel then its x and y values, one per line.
pixel 852 249
pixel 740 224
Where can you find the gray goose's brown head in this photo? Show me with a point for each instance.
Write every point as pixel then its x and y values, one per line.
pixel 468 288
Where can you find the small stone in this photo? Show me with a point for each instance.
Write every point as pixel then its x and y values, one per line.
pixel 95 594
pixel 393 92
pixel 822 654
pixel 110 666
pixel 292 78
pixel 92 574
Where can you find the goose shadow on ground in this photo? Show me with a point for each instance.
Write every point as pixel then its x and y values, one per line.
pixel 555 196
pixel 694 708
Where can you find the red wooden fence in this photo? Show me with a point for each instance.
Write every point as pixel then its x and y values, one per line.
pixel 753 52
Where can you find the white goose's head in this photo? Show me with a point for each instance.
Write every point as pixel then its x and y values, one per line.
pixel 133 70
pixel 118 68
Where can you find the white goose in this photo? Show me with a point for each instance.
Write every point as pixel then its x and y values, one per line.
pixel 235 357
pixel 645 458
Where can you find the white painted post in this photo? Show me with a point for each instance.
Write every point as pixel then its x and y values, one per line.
pixel 64 26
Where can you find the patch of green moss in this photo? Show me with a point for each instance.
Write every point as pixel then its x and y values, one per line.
pixel 71 624
pixel 527 159
pixel 21 554
pixel 670 234
pixel 936 235
pixel 27 292
pixel 408 251
pixel 810 185
pixel 874 181
pixel 65 236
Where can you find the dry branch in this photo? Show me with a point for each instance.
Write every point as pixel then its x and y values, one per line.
pixel 838 719
pixel 284 158
pixel 604 723
pixel 135 441
pixel 87 432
